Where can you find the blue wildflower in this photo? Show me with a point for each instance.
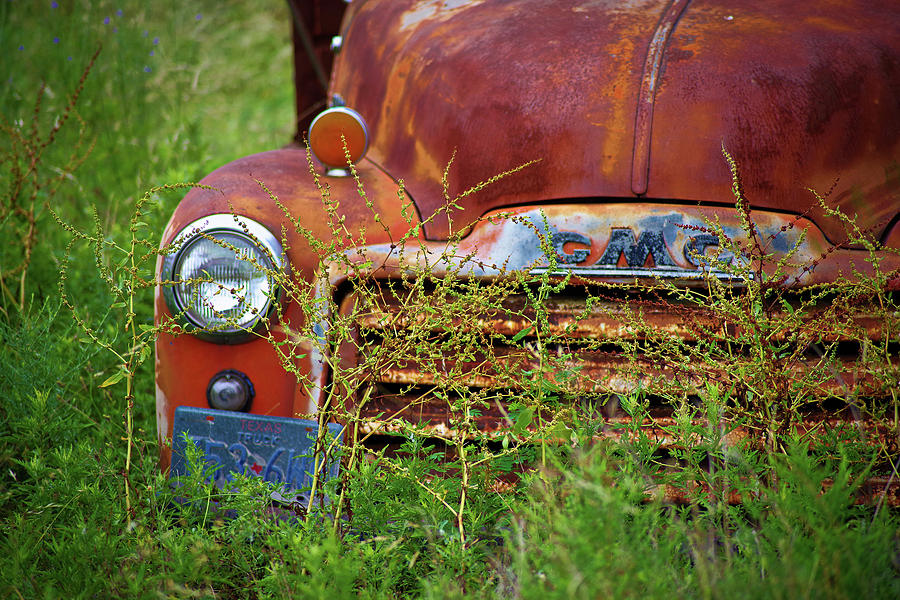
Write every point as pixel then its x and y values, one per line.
pixel 198 17
pixel 106 21
pixel 151 53
pixel 155 41
pixel 54 5
pixel 119 13
pixel 147 69
pixel 56 40
pixel 21 47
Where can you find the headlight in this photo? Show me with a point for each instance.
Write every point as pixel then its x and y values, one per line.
pixel 221 278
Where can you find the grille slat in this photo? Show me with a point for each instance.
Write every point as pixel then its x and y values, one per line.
pixel 614 319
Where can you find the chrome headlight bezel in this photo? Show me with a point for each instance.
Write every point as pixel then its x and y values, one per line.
pixel 218 229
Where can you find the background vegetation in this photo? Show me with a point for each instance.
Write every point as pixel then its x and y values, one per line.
pixel 178 89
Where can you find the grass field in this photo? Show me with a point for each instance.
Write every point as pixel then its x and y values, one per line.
pixel 174 90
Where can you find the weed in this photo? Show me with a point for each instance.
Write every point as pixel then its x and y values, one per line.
pixel 30 185
pixel 683 470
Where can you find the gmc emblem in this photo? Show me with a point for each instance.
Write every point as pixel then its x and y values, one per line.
pixel 645 255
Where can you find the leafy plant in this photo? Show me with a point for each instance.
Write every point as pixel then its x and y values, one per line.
pixel 683 471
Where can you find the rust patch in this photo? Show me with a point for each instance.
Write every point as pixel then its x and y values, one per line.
pixel 613 110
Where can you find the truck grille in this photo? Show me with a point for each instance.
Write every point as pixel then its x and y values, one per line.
pixel 419 348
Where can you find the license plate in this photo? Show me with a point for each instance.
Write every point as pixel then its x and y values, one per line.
pixel 277 449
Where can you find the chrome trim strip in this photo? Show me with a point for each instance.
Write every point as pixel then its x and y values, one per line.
pixel 636 272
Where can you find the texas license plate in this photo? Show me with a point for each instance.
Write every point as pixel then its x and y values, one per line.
pixel 279 450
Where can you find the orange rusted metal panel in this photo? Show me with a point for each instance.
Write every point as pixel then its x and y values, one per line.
pixel 627 100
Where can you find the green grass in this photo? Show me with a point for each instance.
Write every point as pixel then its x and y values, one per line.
pixel 580 524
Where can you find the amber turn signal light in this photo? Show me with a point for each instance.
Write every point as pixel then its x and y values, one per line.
pixel 325 136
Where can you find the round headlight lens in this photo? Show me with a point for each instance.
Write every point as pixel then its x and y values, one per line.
pixel 223 275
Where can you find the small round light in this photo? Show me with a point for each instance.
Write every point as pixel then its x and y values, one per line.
pixel 325 136
pixel 230 390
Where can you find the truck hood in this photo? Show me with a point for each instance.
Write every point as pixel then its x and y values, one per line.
pixel 636 99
